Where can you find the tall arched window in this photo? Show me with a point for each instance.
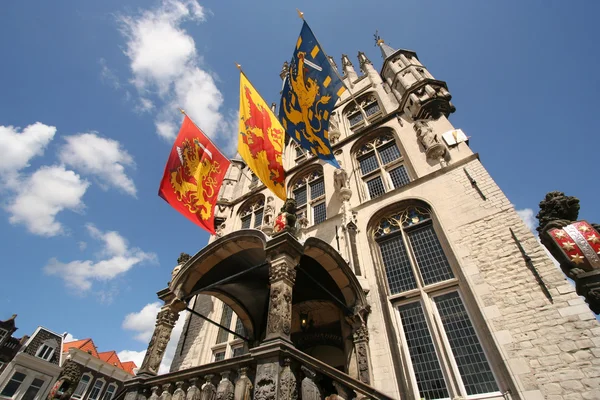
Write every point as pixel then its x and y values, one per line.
pixel 309 192
pixel 436 330
pixel 381 165
pixel 252 212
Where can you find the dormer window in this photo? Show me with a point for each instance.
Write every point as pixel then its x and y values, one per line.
pixel 252 214
pixel 46 350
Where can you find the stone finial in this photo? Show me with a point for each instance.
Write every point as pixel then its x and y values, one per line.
pixel 363 60
pixel 346 61
pixel 332 62
pixel 183 258
pixel 285 69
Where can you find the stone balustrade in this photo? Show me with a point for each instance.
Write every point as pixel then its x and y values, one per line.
pixel 274 370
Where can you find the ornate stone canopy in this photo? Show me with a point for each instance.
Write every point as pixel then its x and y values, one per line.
pixel 248 294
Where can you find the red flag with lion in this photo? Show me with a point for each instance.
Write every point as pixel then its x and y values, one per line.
pixel 193 176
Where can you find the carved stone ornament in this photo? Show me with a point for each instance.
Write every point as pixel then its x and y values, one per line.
pixel 132 395
pixel 243 386
pixel 340 179
pixel 265 388
pixel 67 382
pixel 434 148
pixel 286 220
pixel 183 258
pixel 179 393
pixel 220 231
pixel 280 310
pixel 362 359
pixel 193 393
pixel 309 388
pixel 287 383
pixel 342 392
pixel 225 389
pixel 361 334
pixel 574 244
pixel 165 321
pixel 281 271
pixel 209 391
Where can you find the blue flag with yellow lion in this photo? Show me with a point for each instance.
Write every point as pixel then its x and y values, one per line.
pixel 310 91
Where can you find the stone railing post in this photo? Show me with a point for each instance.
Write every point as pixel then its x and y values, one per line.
pixel 309 386
pixel 165 321
pixel 179 393
pixel 193 393
pixel 288 389
pixel 209 391
pixel 225 389
pixel 283 252
pixel 165 395
pixel 243 385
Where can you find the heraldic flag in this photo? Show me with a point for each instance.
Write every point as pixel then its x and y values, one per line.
pixel 194 175
pixel 261 139
pixel 309 94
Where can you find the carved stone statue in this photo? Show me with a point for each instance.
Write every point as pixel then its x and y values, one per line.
pixel 574 244
pixel 165 321
pixel 243 386
pixel 183 258
pixel 288 389
pixel 286 220
pixel 280 310
pixel 340 179
pixel 67 382
pixel 434 149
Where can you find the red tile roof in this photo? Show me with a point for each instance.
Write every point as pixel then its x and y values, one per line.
pixel 129 366
pixel 109 357
pixel 86 345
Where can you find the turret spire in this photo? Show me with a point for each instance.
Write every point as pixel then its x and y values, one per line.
pixel 386 50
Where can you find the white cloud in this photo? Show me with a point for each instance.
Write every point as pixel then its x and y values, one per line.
pixel 19 148
pixel 40 197
pixel 104 158
pixel 79 275
pixel 108 76
pixel 142 323
pixel 69 338
pixel 164 60
pixel 528 216
pixel 82 245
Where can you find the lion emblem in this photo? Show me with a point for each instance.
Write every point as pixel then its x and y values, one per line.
pixel 193 181
pixel 303 108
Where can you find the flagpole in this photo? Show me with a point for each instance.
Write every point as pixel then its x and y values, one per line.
pixel 301 16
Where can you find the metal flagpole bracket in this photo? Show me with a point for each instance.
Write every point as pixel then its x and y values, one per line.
pixel 531 267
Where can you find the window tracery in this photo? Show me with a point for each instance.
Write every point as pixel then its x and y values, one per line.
pixel 309 193
pixel 427 299
pixel 252 213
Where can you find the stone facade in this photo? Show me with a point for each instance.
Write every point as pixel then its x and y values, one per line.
pixel 537 347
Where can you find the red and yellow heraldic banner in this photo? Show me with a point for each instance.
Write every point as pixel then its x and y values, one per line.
pixel 193 176
pixel 261 139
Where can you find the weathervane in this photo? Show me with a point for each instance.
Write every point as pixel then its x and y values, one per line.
pixel 378 39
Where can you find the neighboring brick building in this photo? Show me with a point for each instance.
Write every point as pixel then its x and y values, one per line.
pixel 90 375
pixel 33 368
pixel 9 345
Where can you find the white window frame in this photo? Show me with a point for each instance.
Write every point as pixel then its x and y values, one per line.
pixel 84 391
pixel 307 210
pixel 48 348
pixel 108 391
pixel 102 382
pixel 425 295
pixel 299 153
pixel 17 390
pixel 30 384
pixel 374 145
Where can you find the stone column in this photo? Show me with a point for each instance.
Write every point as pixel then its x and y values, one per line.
pixel 361 345
pixel 165 321
pixel 283 252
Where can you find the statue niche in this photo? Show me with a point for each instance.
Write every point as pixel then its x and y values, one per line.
pixel 574 244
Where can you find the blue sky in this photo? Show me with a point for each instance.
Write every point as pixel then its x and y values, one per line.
pixel 88 97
